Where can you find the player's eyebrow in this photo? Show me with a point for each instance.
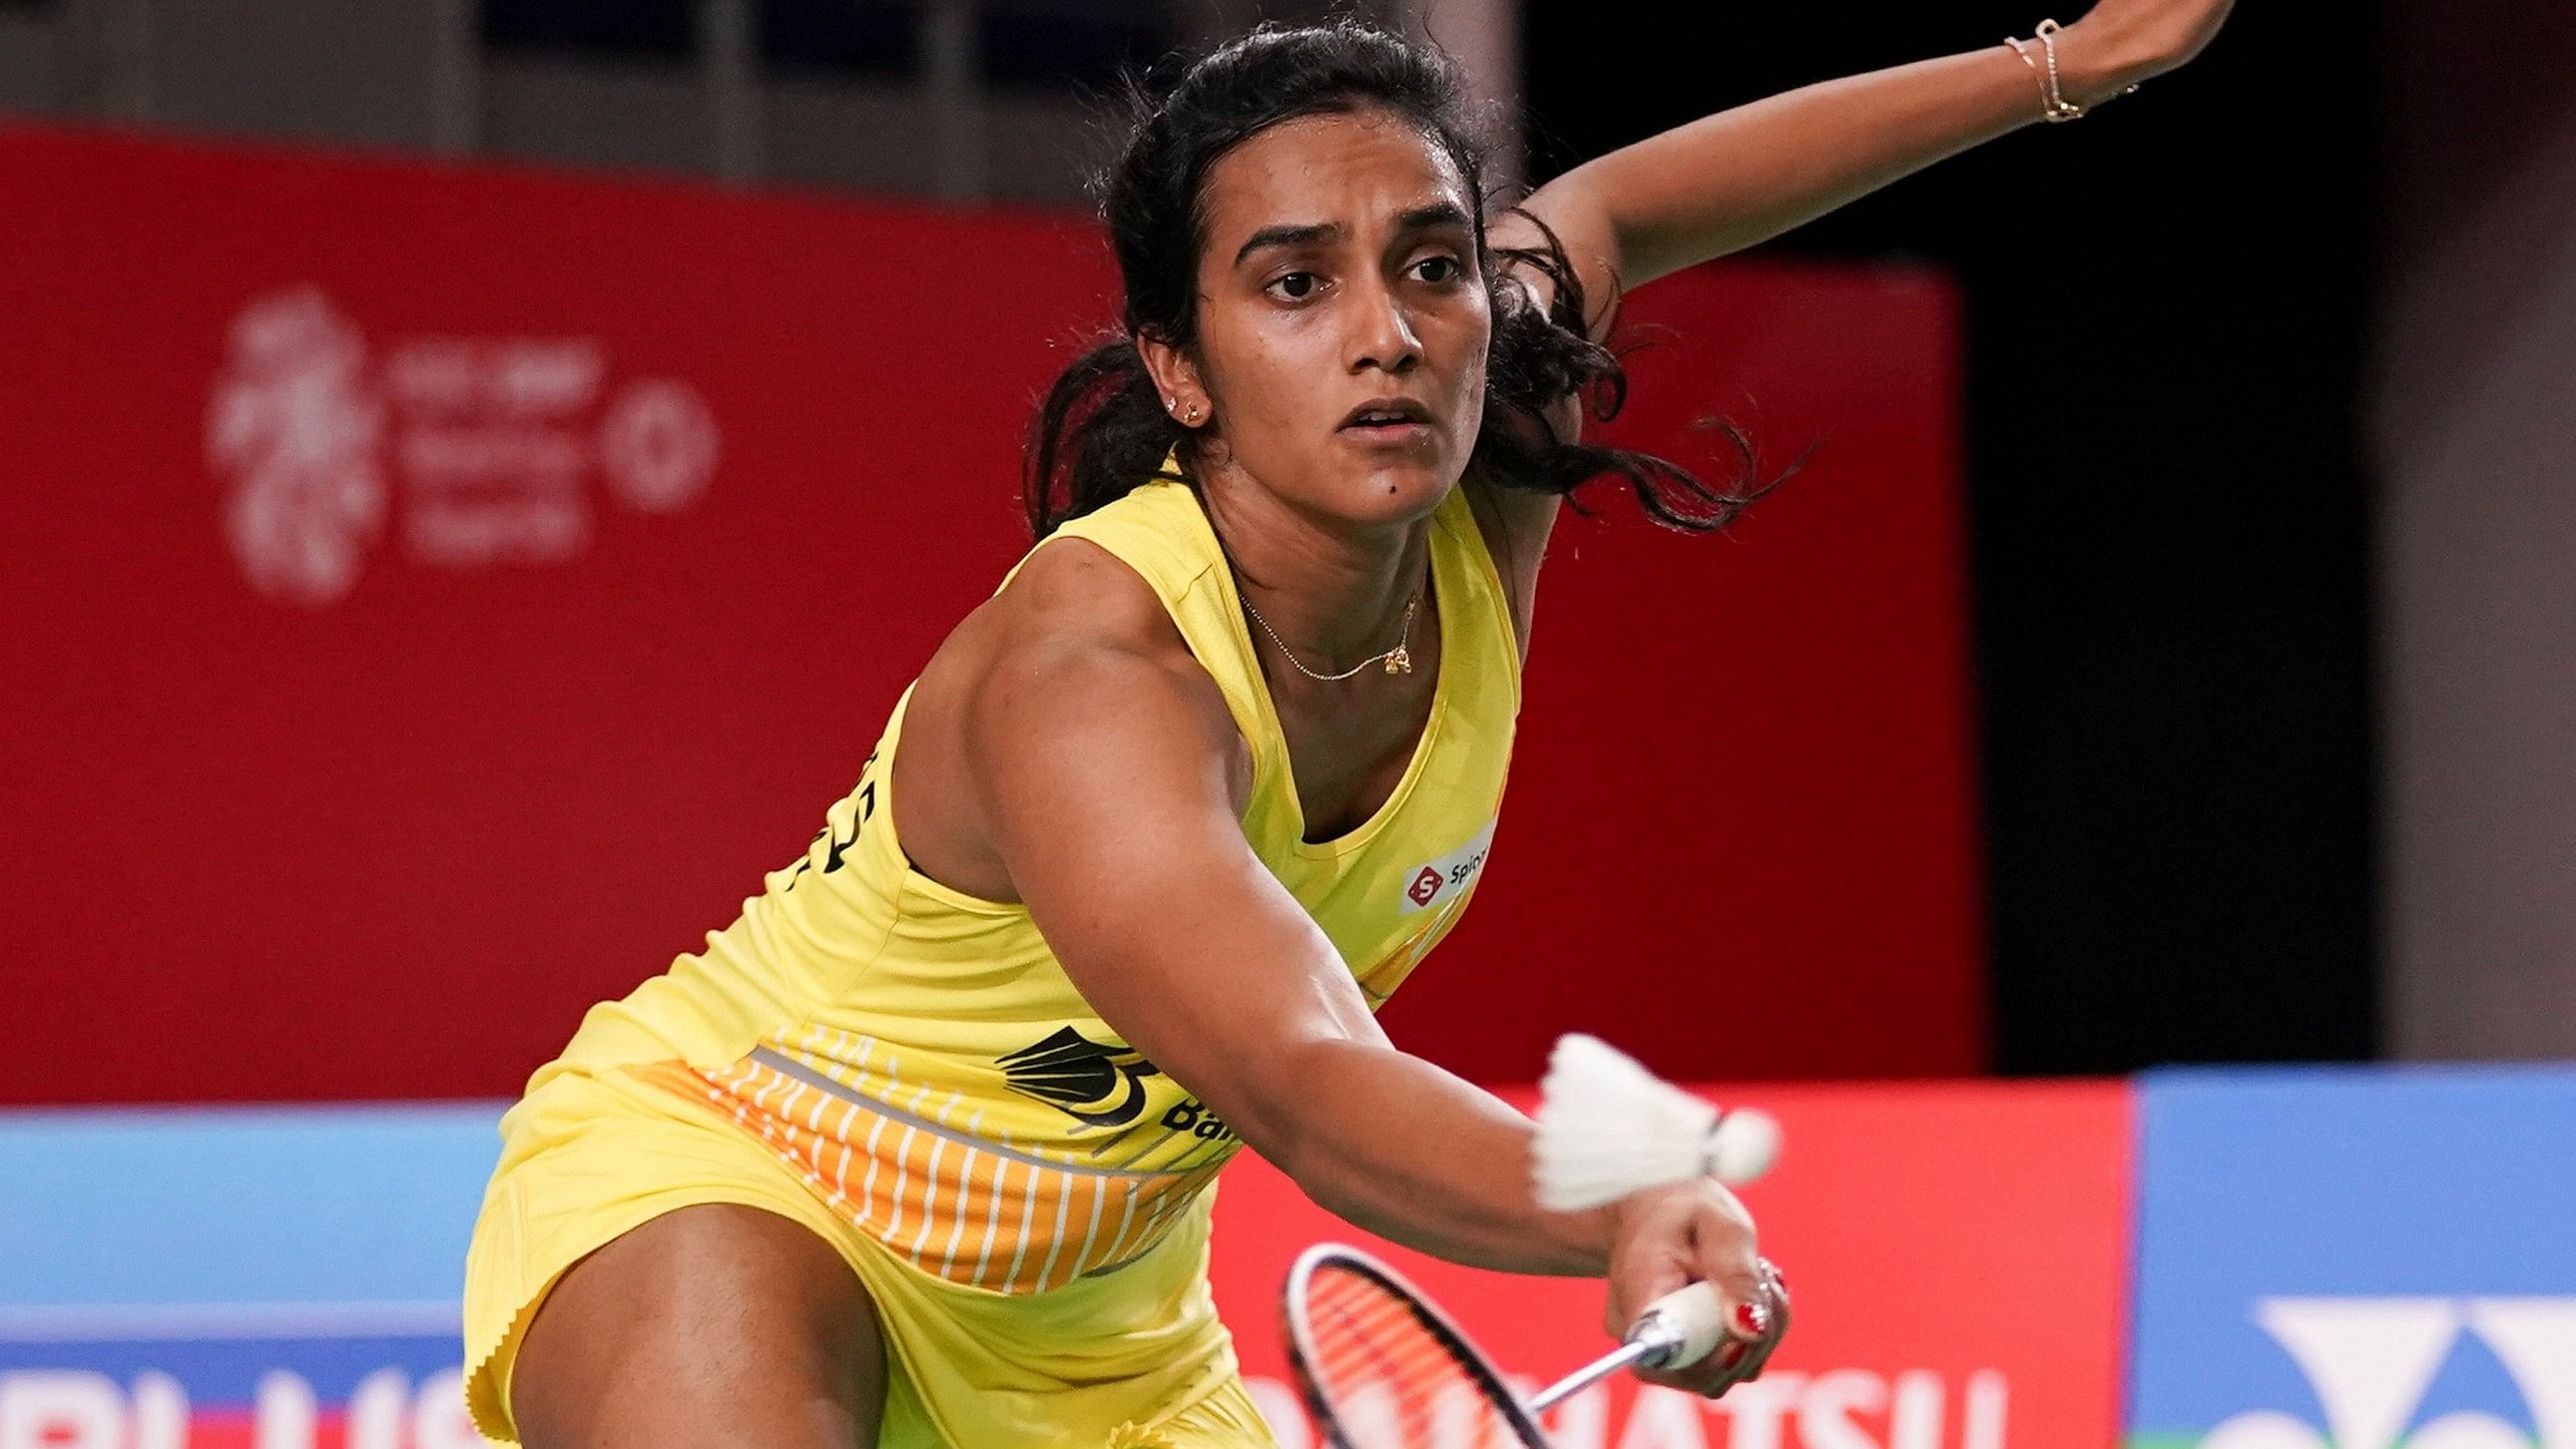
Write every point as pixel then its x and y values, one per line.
pixel 1436 214
pixel 1308 233
pixel 1289 234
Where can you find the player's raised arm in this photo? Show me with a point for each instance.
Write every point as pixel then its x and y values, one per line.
pixel 1741 176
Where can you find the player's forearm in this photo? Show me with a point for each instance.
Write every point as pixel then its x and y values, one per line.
pixel 1742 176
pixel 1412 1153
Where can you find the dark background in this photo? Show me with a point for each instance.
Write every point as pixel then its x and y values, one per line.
pixel 2166 336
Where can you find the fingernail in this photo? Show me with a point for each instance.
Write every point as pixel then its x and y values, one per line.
pixel 1752 1319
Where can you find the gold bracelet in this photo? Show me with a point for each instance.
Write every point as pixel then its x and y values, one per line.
pixel 2048 105
pixel 2053 104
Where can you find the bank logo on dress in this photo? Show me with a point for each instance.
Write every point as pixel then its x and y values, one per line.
pixel 1095 1084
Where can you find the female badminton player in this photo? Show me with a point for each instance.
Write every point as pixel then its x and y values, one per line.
pixel 919 1150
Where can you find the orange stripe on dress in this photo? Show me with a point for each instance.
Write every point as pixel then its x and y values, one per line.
pixel 948 1200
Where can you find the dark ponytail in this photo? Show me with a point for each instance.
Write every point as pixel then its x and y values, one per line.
pixel 1102 429
pixel 1100 432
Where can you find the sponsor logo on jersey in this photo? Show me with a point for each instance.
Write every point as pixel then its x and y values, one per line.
pixel 1193 1117
pixel 1096 1085
pixel 1435 882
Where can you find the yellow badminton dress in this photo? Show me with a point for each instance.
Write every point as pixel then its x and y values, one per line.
pixel 906 1069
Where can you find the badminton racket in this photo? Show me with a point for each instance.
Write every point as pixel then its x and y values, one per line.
pixel 1381 1367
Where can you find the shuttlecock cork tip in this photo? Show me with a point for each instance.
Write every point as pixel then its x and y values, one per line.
pixel 1744 1146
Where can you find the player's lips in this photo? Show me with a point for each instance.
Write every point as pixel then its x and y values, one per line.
pixel 1388 420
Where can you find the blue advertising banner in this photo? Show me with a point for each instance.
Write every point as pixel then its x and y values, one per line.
pixel 285 1279
pixel 2361 1259
pixel 2356 1259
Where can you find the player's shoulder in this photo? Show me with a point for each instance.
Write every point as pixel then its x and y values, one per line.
pixel 1073 603
pixel 1069 689
pixel 1081 639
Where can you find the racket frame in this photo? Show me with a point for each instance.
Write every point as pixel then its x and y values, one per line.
pixel 1302 1341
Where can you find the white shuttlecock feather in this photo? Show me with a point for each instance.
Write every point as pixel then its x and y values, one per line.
pixel 1607 1127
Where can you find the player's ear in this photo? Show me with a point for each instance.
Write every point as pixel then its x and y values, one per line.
pixel 1176 378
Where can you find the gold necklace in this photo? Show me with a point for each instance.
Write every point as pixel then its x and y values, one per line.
pixel 1398 659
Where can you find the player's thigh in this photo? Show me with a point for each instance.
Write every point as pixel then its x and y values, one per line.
pixel 707 1325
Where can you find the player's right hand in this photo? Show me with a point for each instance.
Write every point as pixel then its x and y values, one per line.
pixel 1667 1238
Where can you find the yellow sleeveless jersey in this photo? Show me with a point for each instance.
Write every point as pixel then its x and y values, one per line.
pixel 918 1056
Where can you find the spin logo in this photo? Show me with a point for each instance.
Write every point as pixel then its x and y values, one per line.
pixel 2372 1361
pixel 1445 879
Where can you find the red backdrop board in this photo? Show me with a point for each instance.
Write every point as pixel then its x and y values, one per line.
pixel 436 595
pixel 1958 1255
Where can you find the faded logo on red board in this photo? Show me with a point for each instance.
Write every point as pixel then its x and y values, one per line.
pixel 481 449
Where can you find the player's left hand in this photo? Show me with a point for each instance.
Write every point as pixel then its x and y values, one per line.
pixel 1671 1237
pixel 2119 43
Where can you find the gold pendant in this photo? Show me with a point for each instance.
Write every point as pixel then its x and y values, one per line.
pixel 1399 662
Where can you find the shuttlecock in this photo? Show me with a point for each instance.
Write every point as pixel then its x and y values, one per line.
pixel 1607 1127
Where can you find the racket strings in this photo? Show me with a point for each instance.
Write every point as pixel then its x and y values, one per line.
pixel 1392 1380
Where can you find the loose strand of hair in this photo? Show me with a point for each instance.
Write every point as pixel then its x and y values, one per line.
pixel 1541 358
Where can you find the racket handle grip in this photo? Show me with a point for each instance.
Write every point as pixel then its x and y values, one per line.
pixel 1682 1327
